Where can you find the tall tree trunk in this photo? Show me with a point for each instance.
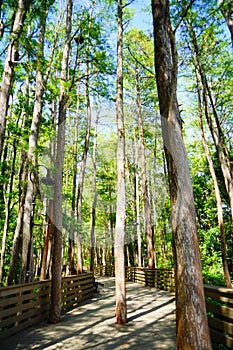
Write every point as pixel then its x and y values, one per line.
pixel 219 207
pixel 112 223
pixel 55 306
pixel 15 252
pixel 32 147
pixel 215 182
pixel 93 216
pixel 137 200
pixel 145 193
pixel 192 326
pixel 10 62
pixel 49 221
pixel 7 214
pixel 216 131
pixel 226 7
pixel 82 172
pixel 72 269
pixel 121 309
pixel 14 274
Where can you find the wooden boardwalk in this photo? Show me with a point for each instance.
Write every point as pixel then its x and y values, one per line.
pixel 151 324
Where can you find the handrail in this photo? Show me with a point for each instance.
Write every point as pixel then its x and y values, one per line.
pixel 24 305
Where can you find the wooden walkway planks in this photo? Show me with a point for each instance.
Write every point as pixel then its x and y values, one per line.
pixel 151 315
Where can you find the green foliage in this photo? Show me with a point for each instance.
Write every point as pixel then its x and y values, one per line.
pixel 96 23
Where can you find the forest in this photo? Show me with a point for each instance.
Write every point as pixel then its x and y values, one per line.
pixel 76 114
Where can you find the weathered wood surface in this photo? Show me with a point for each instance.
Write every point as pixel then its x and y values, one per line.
pixel 219 304
pixel 151 323
pixel 219 300
pixel 159 278
pixel 21 306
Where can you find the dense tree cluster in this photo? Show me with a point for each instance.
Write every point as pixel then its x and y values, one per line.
pixel 71 176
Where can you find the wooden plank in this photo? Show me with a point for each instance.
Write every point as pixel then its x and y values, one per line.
pixel 220 338
pixel 30 306
pixel 219 293
pixel 22 326
pixel 84 277
pixel 23 316
pixel 22 288
pixel 220 325
pixel 23 297
pixel 220 310
pixel 19 308
pixel 77 283
pixel 219 297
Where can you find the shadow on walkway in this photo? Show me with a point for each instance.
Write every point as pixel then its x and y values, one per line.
pixel 151 324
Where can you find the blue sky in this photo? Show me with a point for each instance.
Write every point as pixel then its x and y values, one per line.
pixel 141 19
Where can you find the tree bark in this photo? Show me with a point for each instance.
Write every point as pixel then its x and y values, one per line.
pixel 145 193
pixel 10 62
pixel 93 215
pixel 12 276
pixel 192 326
pixel 137 200
pixel 83 163
pixel 7 214
pixel 72 269
pixel 215 182
pixel 219 204
pixel 55 306
pixel 32 148
pixel 216 131
pixel 44 263
pixel 82 175
pixel 226 7
pixel 121 309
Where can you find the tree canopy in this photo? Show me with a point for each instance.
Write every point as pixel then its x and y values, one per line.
pixel 59 136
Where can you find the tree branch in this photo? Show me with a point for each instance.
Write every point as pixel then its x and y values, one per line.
pixel 127 4
pixel 185 11
pixel 140 63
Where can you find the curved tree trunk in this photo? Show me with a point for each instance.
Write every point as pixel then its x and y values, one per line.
pixel 192 326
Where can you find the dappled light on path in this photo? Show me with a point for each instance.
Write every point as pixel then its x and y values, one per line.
pixel 151 323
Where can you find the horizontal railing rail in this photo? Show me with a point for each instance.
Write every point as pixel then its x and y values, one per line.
pixel 158 278
pixel 219 304
pixel 105 270
pixel 24 305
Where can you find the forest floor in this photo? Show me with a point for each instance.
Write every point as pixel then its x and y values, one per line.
pixel 151 323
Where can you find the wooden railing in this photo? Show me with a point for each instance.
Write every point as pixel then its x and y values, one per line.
pixel 158 278
pixel 105 270
pixel 24 305
pixel 219 300
pixel 219 304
